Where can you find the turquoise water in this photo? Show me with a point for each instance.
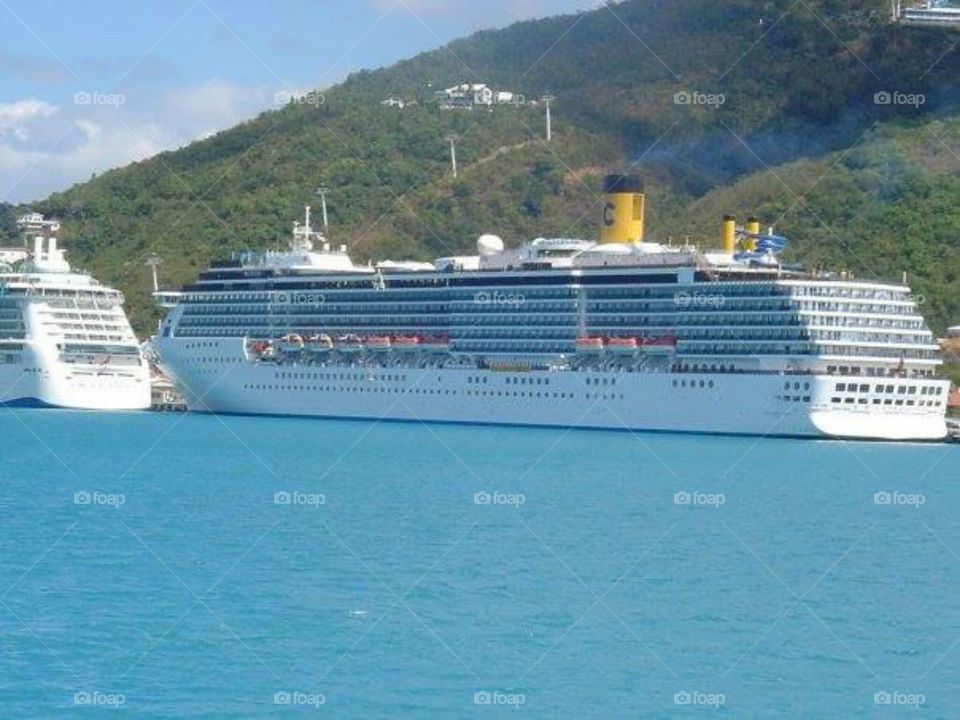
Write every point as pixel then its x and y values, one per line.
pixel 579 585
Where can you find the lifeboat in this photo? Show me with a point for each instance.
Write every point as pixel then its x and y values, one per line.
pixel 320 344
pixel 622 345
pixel 665 344
pixel 410 342
pixel 438 343
pixel 590 344
pixel 261 349
pixel 291 343
pixel 377 342
pixel 349 343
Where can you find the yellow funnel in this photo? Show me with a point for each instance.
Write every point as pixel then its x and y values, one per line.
pixel 623 209
pixel 729 234
pixel 752 228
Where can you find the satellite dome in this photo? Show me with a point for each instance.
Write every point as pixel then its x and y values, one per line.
pixel 489 245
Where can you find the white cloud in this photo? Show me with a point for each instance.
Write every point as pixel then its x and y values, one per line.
pixel 45 147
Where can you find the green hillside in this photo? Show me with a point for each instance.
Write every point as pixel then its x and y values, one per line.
pixel 798 120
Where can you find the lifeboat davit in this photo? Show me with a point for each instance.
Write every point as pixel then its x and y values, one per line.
pixel 409 342
pixel 291 343
pixel 320 343
pixel 622 345
pixel 378 342
pixel 590 344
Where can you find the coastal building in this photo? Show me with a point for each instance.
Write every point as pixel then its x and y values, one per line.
pixel 927 12
pixel 33 223
pixel 468 96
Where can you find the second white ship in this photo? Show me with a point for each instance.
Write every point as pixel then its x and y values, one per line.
pixel 64 338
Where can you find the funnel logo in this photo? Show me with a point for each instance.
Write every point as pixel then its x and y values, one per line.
pixel 609 215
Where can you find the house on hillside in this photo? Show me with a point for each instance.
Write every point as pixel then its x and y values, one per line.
pixel 926 12
pixel 33 223
pixel 394 102
pixel 469 96
pixel 465 97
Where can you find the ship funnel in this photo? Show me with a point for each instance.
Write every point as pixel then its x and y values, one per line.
pixel 38 248
pixel 729 234
pixel 753 231
pixel 623 211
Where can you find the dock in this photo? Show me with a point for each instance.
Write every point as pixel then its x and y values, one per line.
pixel 164 396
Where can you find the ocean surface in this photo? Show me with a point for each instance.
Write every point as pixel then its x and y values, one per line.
pixel 206 567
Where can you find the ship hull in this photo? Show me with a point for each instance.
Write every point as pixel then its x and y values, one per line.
pixel 42 381
pixel 217 376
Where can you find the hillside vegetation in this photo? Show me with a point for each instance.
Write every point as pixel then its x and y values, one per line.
pixel 797 139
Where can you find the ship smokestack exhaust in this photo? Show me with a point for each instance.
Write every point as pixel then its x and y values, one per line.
pixel 729 234
pixel 624 207
pixel 753 229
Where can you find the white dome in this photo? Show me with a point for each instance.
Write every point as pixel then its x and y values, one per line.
pixel 489 245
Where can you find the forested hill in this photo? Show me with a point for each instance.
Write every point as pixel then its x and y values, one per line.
pixel 778 107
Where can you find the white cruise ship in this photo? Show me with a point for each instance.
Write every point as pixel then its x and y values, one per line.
pixel 64 338
pixel 616 334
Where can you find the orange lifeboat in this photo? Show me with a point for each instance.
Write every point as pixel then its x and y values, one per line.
pixel 665 344
pixel 411 342
pixel 377 342
pixel 590 344
pixel 622 345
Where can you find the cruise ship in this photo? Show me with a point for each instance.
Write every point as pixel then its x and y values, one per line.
pixel 64 338
pixel 623 334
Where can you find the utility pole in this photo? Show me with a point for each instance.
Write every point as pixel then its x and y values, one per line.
pixel 548 99
pixel 152 263
pixel 322 192
pixel 452 139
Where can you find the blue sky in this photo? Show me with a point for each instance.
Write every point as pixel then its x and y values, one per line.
pixel 86 86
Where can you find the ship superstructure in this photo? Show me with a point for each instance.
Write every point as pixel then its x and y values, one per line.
pixel 621 334
pixel 64 338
